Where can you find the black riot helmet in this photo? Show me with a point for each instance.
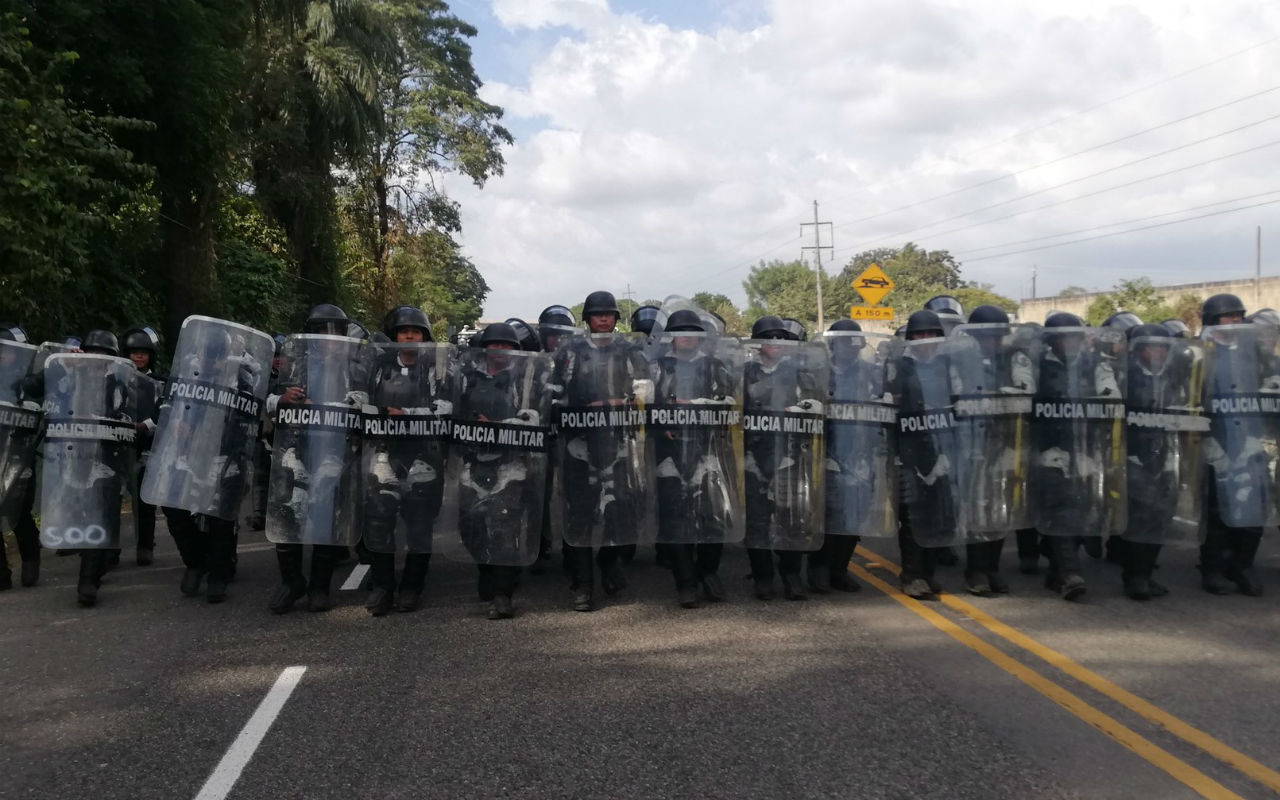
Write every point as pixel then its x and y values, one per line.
pixel 102 342
pixel 642 319
pixel 1218 306
pixel 684 320
pixel 494 333
pixel 1177 328
pixel 769 327
pixel 1147 330
pixel 988 315
pixel 600 303
pixel 923 321
pixel 141 339
pixel 279 339
pixel 528 339
pixel 796 328
pixel 326 318
pixel 1122 321
pixel 407 317
pixel 557 315
pixel 9 332
pixel 1063 319
pixel 1265 316
pixel 845 325
pixel 944 304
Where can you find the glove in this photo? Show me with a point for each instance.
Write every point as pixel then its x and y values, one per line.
pixel 642 388
pixel 421 472
pixel 356 398
pixel 941 467
pixel 812 406
pixel 527 416
pixel 30 405
pixel 443 408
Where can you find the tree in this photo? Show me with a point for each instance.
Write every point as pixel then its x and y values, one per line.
pixel 734 322
pixel 1142 298
pixel 1073 291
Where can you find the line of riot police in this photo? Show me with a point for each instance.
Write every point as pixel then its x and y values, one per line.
pixel 955 432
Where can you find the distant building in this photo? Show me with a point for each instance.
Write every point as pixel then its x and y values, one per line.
pixel 1255 294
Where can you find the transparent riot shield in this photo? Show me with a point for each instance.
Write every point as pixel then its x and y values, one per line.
pixel 20 423
pixel 498 458
pixel 602 469
pixel 653 343
pixel 406 429
pixel 783 422
pixel 861 438
pixel 1165 426
pixel 1242 398
pixel 1077 430
pixel 209 415
pixel 695 434
pixel 993 384
pixel 90 429
pixel 314 491
pixel 929 444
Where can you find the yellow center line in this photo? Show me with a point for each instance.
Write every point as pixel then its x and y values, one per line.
pixel 1180 770
pixel 1219 750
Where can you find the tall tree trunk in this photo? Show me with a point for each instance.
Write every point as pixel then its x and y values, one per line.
pixel 188 253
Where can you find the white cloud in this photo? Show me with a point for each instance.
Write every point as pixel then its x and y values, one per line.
pixel 669 159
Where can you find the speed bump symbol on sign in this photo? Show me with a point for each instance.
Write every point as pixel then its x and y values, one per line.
pixel 873 284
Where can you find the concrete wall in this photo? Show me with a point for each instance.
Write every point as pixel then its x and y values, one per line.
pixel 1255 296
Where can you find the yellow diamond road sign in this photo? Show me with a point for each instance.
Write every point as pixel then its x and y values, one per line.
pixel 873 284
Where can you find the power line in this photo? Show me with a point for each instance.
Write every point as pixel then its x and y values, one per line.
pixel 1059 158
pixel 1124 96
pixel 1117 224
pixel 1121 233
pixel 954 217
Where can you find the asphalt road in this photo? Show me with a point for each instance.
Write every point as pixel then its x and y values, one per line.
pixel 848 695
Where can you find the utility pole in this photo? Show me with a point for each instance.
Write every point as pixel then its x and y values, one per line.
pixel 817 247
pixel 1257 272
pixel 1033 281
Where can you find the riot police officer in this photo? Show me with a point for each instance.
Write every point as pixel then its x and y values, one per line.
pixel 529 341
pixel 406 477
pixel 140 347
pixel 998 372
pixel 783 519
pixel 1241 496
pixel 696 487
pixel 858 463
pixel 642 319
pixel 310 466
pixel 1177 328
pixel 555 323
pixel 602 470
pixel 497 481
pixel 950 311
pixel 928 516
pixel 18 438
pixel 1071 476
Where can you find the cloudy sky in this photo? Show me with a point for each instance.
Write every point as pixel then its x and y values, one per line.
pixel 667 145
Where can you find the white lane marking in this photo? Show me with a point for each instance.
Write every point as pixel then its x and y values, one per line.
pixel 353 580
pixel 228 771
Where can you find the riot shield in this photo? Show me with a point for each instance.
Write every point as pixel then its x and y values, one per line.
pixel 695 434
pixel 1242 397
pixel 783 422
pixel 498 458
pixel 602 469
pixel 653 343
pixel 90 428
pixel 993 385
pixel 19 430
pixel 861 439
pixel 929 447
pixel 209 416
pixel 405 446
pixel 1077 432
pixel 1165 427
pixel 314 491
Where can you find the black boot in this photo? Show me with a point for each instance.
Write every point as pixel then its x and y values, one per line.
pixel 792 588
pixel 6 577
pixel 293 587
pixel 414 580
pixel 191 580
pixel 380 602
pixel 323 562
pixel 31 572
